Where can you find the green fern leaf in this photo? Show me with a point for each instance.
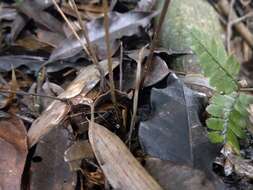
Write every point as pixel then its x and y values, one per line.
pixel 228 108
pixel 217 65
pixel 228 118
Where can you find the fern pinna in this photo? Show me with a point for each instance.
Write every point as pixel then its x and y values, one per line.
pixel 228 107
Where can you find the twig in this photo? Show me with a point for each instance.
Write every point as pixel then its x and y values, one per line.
pixel 246 89
pixel 248 15
pixel 70 26
pixel 229 25
pixel 89 46
pixel 136 94
pixel 240 27
pixel 121 67
pixel 155 38
pixel 107 41
pixel 30 94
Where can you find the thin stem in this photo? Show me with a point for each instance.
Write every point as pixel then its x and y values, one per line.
pixel 155 38
pixel 136 95
pixel 70 26
pixel 121 67
pixel 88 49
pixel 21 93
pixel 107 41
pixel 89 45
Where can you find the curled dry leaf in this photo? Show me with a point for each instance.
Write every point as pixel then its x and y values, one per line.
pixel 57 110
pixel 13 148
pixel 118 164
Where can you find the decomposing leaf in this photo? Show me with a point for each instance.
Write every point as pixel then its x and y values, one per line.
pixel 13 148
pixel 17 26
pixel 199 83
pixel 31 62
pixel 50 38
pixel 159 70
pixel 32 10
pixel 7 13
pixel 173 176
pixel 48 169
pixel 166 134
pixel 145 5
pixel 121 25
pixel 76 152
pixel 57 110
pixel 118 164
pixel 174 131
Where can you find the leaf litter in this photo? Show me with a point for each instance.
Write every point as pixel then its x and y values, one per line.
pixel 97 104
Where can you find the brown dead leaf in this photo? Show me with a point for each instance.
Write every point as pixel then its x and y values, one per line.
pixel 13 148
pixel 49 170
pixel 57 110
pixel 118 164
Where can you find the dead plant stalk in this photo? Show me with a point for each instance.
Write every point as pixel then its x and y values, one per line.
pixel 107 41
pixel 89 50
pixel 155 38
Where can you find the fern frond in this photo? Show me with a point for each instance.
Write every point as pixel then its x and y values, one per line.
pixel 228 119
pixel 228 108
pixel 220 68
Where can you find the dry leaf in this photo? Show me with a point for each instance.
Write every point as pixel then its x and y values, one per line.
pixel 13 148
pixel 118 164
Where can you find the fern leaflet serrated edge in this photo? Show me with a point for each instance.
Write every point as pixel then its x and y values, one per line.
pixel 215 60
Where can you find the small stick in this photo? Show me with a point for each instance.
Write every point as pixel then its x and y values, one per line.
pixel 89 46
pixel 155 38
pixel 136 94
pixel 30 94
pixel 121 67
pixel 107 41
pixel 248 15
pixel 70 26
pixel 239 27
pixel 229 25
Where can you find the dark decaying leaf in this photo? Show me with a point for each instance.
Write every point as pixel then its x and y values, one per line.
pixel 48 169
pixel 14 61
pixel 76 152
pixel 145 5
pixel 159 70
pixel 174 131
pixel 126 24
pixel 120 167
pixel 32 10
pixel 43 4
pixel 13 148
pixel 173 176
pixel 17 26
pixel 50 38
pixel 7 13
pixel 167 134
